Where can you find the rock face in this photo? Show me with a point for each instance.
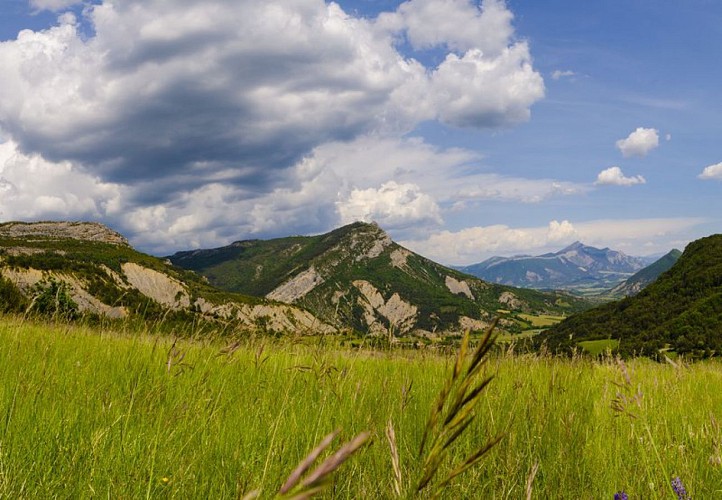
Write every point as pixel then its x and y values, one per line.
pixel 87 231
pixel 297 287
pixel 399 314
pixel 156 285
pixel 456 286
pixel 26 279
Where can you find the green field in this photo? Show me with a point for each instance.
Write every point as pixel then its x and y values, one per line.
pixel 87 413
pixel 541 321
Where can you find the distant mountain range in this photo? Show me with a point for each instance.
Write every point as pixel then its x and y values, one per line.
pixel 584 269
pixel 357 277
pixel 680 312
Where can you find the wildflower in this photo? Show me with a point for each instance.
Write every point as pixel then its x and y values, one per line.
pixel 679 489
pixel 620 495
pixel 165 480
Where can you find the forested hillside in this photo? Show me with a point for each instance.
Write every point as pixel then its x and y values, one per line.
pixel 680 312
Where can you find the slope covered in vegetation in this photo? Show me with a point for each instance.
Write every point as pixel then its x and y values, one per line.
pixel 356 276
pixel 634 284
pixel 681 311
pixel 73 269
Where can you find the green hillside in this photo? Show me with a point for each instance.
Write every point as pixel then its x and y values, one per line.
pixel 680 312
pixel 644 277
pixel 357 277
pixel 85 269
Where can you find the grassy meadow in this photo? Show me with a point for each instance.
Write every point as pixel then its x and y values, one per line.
pixel 86 413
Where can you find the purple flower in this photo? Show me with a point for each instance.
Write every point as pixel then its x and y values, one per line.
pixel 678 488
pixel 620 495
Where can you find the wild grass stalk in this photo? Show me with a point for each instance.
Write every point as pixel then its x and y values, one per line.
pixel 454 411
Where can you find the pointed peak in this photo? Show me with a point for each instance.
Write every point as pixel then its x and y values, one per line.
pixel 574 246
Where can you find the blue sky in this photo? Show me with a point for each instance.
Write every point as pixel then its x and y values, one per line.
pixel 465 129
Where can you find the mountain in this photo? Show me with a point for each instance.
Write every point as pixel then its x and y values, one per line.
pixel 681 311
pixel 81 268
pixel 649 274
pixel 357 277
pixel 577 267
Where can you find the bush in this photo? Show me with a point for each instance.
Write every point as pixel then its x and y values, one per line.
pixel 11 300
pixel 52 298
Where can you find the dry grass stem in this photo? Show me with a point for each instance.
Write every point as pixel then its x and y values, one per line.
pixel 530 480
pixel 319 478
pixel 395 462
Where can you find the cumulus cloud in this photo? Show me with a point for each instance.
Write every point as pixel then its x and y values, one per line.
pixel 184 123
pixel 712 172
pixel 475 244
pixel 163 88
pixel 561 231
pixel 474 91
pixel 391 205
pixel 33 188
pixel 613 176
pixel 639 143
pixel 457 24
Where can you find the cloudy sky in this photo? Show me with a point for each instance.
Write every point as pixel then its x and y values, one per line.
pixel 466 129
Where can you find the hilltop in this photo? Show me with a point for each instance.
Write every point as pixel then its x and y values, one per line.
pixel 680 312
pixel 84 268
pixel 578 267
pixel 357 277
pixel 83 231
pixel 646 276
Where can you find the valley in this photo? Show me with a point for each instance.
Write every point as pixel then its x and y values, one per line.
pixel 213 373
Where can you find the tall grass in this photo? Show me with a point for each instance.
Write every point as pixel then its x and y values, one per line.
pixel 87 413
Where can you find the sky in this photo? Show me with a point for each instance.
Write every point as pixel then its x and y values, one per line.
pixel 464 128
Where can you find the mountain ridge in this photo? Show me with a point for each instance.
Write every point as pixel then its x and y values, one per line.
pixel 642 278
pixel 575 267
pixel 98 273
pixel 357 276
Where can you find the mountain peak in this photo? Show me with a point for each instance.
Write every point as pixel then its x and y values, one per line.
pixel 574 246
pixel 575 266
pixel 357 277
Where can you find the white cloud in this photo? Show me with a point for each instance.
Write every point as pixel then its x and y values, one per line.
pixel 404 184
pixel 475 91
pixel 205 120
pixel 457 24
pixel 255 85
pixel 613 176
pixel 639 143
pixel 475 244
pixel 392 205
pixel 712 172
pixel 558 74
pixel 33 188
pixel 53 5
pixel 561 231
